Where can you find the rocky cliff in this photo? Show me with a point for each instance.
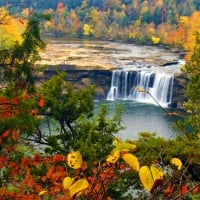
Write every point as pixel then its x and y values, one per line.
pixel 101 79
pixel 180 82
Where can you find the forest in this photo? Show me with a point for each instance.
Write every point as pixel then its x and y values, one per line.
pixel 85 159
pixel 151 22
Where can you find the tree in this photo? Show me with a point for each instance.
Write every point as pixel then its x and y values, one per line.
pixel 73 24
pixel 192 68
pixel 17 79
pixel 16 61
pixel 72 111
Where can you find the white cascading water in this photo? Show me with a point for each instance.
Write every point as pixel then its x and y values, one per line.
pixel 159 85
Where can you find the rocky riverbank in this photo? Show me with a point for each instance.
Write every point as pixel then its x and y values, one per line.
pixel 98 55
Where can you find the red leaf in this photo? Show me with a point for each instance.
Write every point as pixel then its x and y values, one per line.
pixel 11 164
pixel 3 159
pixel 25 161
pixel 157 183
pixel 15 101
pixel 184 189
pixel 37 159
pixel 58 158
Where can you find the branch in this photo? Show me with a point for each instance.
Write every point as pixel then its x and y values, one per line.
pixel 4 18
pixel 34 140
pixel 170 114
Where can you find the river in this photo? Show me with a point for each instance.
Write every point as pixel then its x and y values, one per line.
pixel 141 117
pixel 136 116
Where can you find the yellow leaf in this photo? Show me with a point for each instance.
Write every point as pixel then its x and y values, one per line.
pixel 148 176
pixel 86 29
pixel 120 146
pixel 114 156
pixel 74 160
pixel 132 35
pixel 183 19
pixel 155 40
pixel 132 161
pixel 43 192
pixel 78 186
pixel 117 141
pixel 157 173
pixel 176 162
pixel 67 182
pixel 138 89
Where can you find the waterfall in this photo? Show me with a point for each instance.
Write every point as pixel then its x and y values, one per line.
pixel 158 85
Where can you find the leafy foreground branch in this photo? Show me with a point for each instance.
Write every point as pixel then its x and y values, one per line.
pixel 147 167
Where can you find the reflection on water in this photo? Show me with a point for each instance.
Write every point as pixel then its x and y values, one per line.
pixel 139 117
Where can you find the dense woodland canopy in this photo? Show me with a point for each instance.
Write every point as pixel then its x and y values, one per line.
pixel 84 159
pixel 167 22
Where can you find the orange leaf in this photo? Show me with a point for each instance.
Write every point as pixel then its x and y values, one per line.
pixel 98 187
pixel 195 190
pixel 41 102
pixel 169 190
pixel 84 166
pixel 30 182
pixel 50 172
pixel 60 169
pixel 15 134
pixel 6 133
pixel 57 175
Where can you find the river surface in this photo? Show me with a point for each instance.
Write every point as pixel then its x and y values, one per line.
pixel 141 117
pixel 136 117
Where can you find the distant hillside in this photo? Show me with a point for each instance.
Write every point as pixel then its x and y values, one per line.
pixel 170 22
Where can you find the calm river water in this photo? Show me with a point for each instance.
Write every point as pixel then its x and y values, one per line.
pixel 140 117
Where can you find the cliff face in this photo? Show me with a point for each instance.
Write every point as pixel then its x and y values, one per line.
pixel 180 82
pixel 101 79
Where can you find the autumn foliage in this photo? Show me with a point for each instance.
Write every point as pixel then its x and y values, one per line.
pixel 26 175
pixel 157 168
